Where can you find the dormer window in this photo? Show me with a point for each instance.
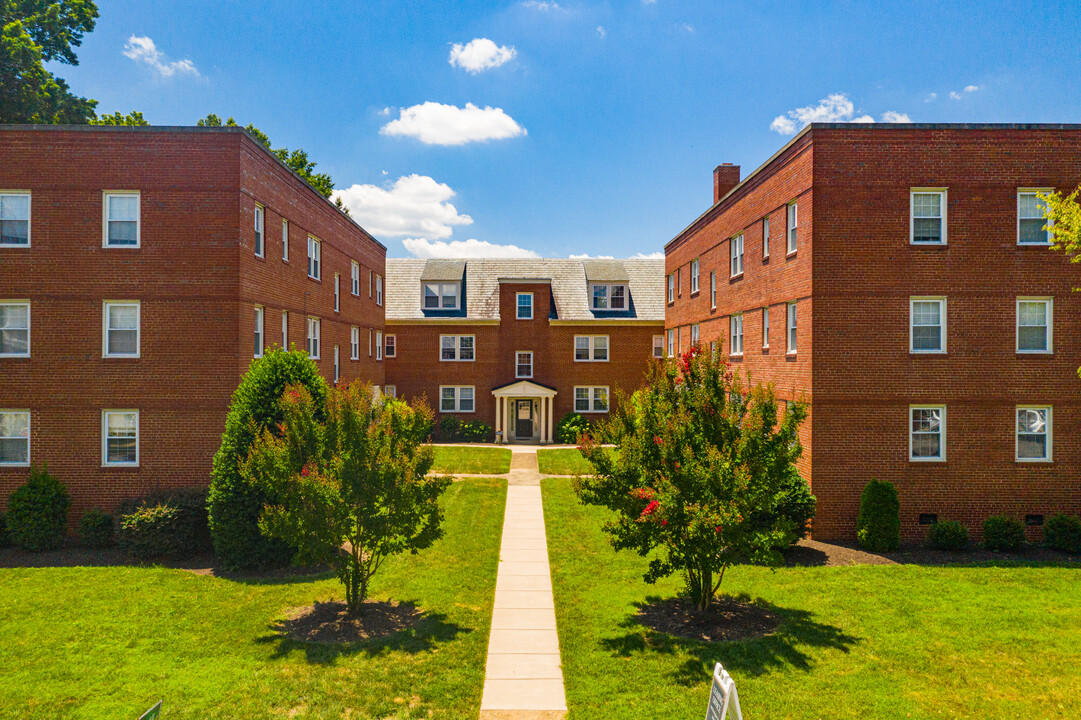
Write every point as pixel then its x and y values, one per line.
pixel 442 296
pixel 609 297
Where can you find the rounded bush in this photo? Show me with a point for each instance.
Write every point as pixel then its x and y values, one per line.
pixel 234 505
pixel 1003 534
pixel 165 524
pixel 948 535
pixel 1063 532
pixel 96 529
pixel 38 512
pixel 797 506
pixel 878 524
pixel 570 427
pixel 452 429
pixel 5 536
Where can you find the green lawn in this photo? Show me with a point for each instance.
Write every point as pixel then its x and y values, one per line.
pixel 563 461
pixel 108 642
pixel 471 460
pixel 896 641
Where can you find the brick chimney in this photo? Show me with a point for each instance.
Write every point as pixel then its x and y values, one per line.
pixel 725 177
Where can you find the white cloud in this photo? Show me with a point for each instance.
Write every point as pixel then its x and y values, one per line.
pixel 930 97
pixel 601 31
pixel 833 108
pixel 687 27
pixel 862 119
pixel 480 54
pixel 436 124
pixel 892 116
pixel 471 248
pixel 142 49
pixel 540 5
pixel 954 95
pixel 636 256
pixel 587 256
pixel 649 2
pixel 385 111
pixel 412 205
pixel 648 256
pixel 971 88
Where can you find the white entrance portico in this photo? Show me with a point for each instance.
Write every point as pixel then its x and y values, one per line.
pixel 523 412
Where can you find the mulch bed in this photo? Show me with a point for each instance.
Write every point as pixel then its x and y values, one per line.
pixel 330 622
pixel 726 620
pixel 815 553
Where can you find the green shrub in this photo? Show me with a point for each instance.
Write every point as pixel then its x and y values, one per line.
pixel 449 428
pixel 948 535
pixel 38 512
pixel 168 523
pixel 878 524
pixel 570 427
pixel 96 529
pixel 5 536
pixel 452 429
pixel 1063 532
pixel 234 504
pixel 797 506
pixel 1003 534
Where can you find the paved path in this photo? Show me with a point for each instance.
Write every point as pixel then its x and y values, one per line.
pixel 523 678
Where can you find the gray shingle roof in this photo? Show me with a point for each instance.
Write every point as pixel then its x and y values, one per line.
pixel 570 286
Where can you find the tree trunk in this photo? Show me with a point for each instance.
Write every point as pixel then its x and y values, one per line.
pixel 705 591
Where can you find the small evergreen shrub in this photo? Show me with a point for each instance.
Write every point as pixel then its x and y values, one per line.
pixel 1003 534
pixel 96 529
pixel 5 536
pixel 1063 532
pixel 948 535
pixel 797 506
pixel 878 524
pixel 165 524
pixel 452 429
pixel 38 512
pixel 570 427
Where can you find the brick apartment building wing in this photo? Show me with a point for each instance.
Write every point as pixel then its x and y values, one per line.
pixel 912 300
pixel 531 339
pixel 148 268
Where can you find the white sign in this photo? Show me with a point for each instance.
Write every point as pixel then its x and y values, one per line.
pixel 723 696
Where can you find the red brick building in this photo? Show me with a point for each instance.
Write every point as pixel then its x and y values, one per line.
pixel 141 269
pixel 518 344
pixel 897 278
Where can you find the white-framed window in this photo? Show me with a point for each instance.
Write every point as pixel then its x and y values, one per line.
pixel 671 343
pixel 713 289
pixel 313 338
pixel 791 328
pixel 736 255
pixel 679 282
pixel 285 329
pixel 671 287
pixel 927 222
pixel 337 365
pixel 1035 322
pixel 591 399
pixel 607 296
pixel 354 343
pixel 1031 223
pixel 285 240
pixel 695 271
pixel 371 339
pixel 337 293
pixel 120 437
pixel 14 438
pixel 523 364
pixel 1033 436
pixel 260 250
pixel 390 344
pixel 456 398
pixel 736 334
pixel 391 391
pixel 457 348
pixel 765 328
pixel 713 348
pixel 793 227
pixel 658 346
pixel 120 219
pixel 378 344
pixel 120 329
pixel 354 276
pixel 591 348
pixel 442 296
pixel 14 329
pixel 14 219
pixel 315 255
pixel 694 334
pixel 765 237
pixel 378 289
pixel 927 325
pixel 927 433
pixel 524 305
pixel 371 282
pixel 258 334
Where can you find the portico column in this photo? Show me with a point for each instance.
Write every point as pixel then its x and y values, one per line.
pixel 496 425
pixel 551 412
pixel 543 424
pixel 506 420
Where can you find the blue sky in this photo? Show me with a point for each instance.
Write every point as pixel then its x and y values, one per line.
pixel 603 120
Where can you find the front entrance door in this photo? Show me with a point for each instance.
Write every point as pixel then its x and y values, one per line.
pixel 523 429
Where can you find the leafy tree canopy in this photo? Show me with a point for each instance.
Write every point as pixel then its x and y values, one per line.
pixel 133 118
pixel 1064 221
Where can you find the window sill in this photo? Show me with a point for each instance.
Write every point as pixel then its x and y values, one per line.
pixel 913 243
pixel 927 460
pixel 916 353
pixel 765 258
pixel 1037 353
pixel 1033 461
pixel 791 255
pixel 1019 244
pixel 737 276
pixel 15 357
pixel 765 349
pixel 120 466
pixel 6 246
pixel 121 357
pixel 14 465
pixel 318 280
pixel 737 357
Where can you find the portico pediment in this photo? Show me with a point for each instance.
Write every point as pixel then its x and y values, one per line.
pixel 524 389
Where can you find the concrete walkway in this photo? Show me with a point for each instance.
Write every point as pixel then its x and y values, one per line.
pixel 523 677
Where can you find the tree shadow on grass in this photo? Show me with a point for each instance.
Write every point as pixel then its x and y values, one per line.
pixel 753 656
pixel 324 634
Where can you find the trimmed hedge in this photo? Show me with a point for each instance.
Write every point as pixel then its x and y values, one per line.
pixel 234 505
pixel 452 429
pixel 5 536
pixel 570 427
pixel 96 529
pixel 878 524
pixel 948 535
pixel 38 512
pixel 170 524
pixel 1063 532
pixel 1003 534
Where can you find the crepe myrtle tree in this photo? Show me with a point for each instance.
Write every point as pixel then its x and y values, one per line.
pixel 352 490
pixel 700 475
